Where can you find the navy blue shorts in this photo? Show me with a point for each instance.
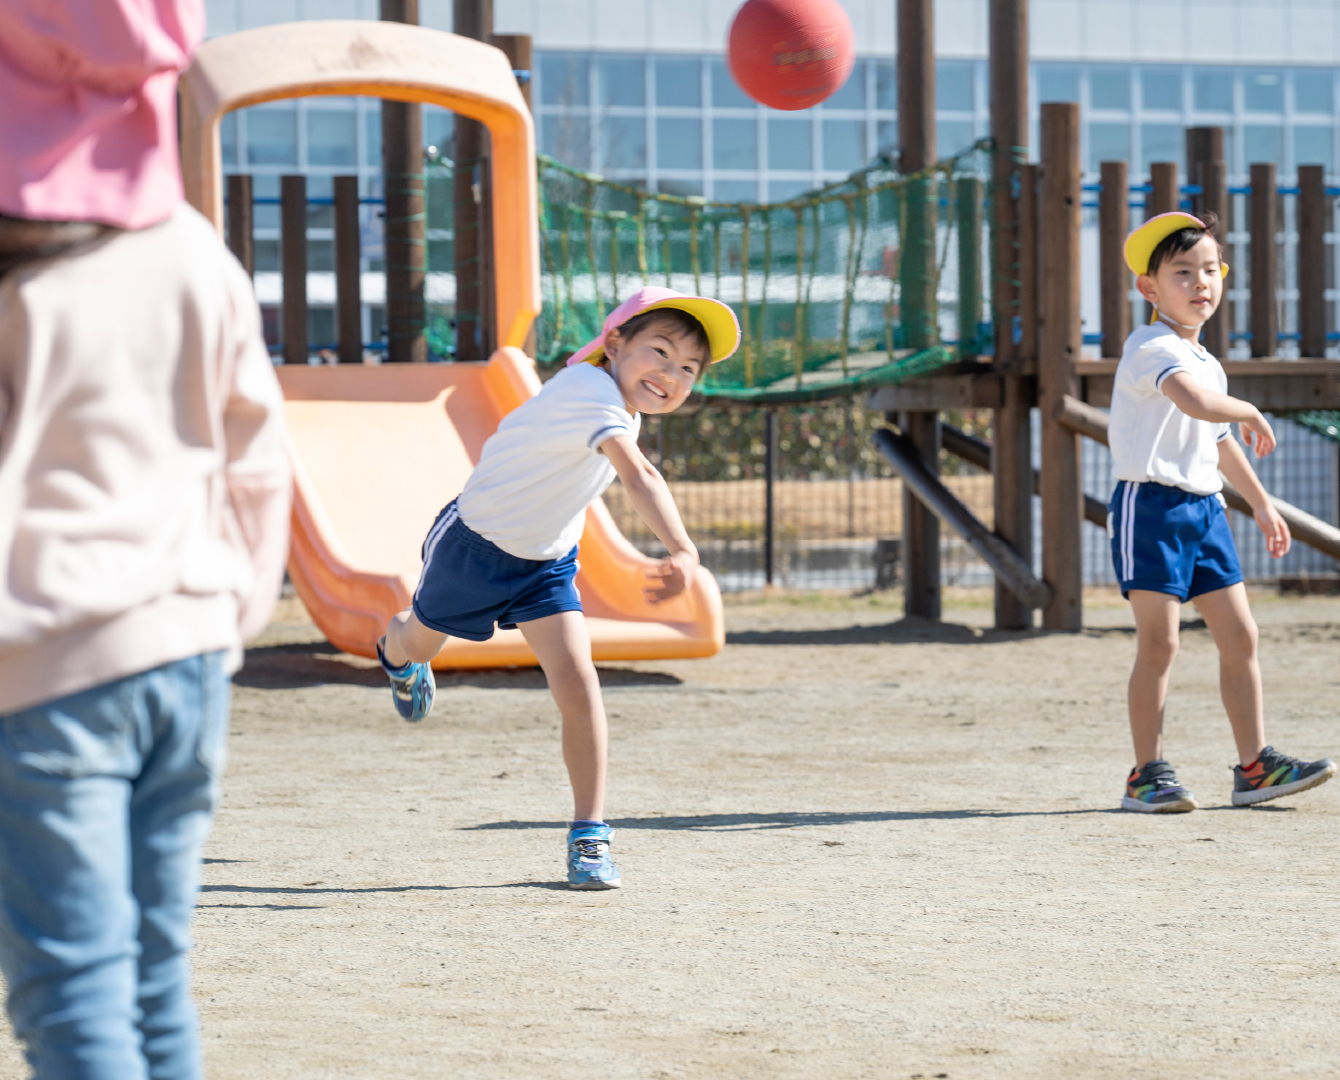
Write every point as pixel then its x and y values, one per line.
pixel 1171 541
pixel 468 583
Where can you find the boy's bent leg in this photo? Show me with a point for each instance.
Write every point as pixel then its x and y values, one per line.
pixel 1229 616
pixel 171 813
pixel 408 641
pixel 1156 638
pixel 563 647
pixel 67 915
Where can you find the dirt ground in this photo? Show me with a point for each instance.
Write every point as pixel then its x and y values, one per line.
pixel 852 846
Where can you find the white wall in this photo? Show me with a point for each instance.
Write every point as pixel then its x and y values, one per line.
pixel 1169 31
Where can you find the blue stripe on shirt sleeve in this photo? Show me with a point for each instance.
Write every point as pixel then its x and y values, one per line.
pixel 1158 379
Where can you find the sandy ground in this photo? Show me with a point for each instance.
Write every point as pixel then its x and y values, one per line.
pixel 852 847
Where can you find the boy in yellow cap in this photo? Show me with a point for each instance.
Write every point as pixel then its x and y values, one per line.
pixel 504 552
pixel 1171 542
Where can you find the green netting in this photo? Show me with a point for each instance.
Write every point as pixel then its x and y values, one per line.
pixel 871 280
pixel 1322 421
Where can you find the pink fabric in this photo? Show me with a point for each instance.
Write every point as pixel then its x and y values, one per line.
pixel 88 131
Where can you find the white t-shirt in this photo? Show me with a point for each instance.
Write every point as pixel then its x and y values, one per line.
pixel 542 468
pixel 1151 439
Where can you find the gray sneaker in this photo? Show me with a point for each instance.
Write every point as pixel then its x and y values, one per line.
pixel 1274 774
pixel 1153 789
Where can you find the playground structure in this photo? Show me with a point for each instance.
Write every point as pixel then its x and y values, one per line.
pixel 378 451
pixel 844 292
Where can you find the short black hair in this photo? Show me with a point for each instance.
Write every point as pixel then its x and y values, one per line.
pixel 677 318
pixel 1184 240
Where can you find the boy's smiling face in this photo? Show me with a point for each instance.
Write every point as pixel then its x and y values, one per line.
pixel 1188 285
pixel 656 368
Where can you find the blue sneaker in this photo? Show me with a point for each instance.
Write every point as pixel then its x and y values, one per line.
pixel 589 865
pixel 412 686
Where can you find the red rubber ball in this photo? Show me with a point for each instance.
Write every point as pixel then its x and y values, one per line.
pixel 791 54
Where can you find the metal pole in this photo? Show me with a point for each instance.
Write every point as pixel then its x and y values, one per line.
pixel 241 221
pixel 293 264
pixel 1062 490
pixel 402 178
pixel 348 291
pixel 769 496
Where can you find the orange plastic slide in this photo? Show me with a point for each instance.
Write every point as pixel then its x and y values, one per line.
pixel 378 451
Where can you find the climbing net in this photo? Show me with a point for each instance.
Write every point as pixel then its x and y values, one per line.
pixel 870 280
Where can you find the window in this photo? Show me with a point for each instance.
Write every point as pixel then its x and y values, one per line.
pixel 680 187
pixel 438 125
pixel 735 190
pixel 789 144
pixel 272 137
pixel 266 186
pixel 953 86
pixel 782 190
pixel 1263 91
pixel 851 94
pixel 1161 88
pixel 1161 142
pixel 886 138
pixel 734 144
pixel 372 135
pixel 679 84
pixel 567 138
pixel 951 136
pixel 1212 90
pixel 1109 88
pixel 1314 90
pixel 1057 82
pixel 623 142
pixel 1108 142
pixel 332 137
pixel 228 138
pixel 726 92
pixel 623 80
pixel 563 79
pixel 1312 146
pixel 679 143
pixel 1262 143
pixel 844 144
pixel 886 85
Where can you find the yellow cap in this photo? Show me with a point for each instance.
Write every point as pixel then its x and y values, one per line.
pixel 1141 243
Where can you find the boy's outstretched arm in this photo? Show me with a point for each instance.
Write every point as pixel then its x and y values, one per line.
pixel 651 498
pixel 1234 465
pixel 1217 408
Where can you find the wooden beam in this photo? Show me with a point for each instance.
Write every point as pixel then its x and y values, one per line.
pixel 1085 420
pixel 1207 168
pixel 348 284
pixel 1267 383
pixel 1059 348
pixel 1264 321
pixel 241 221
pixel 293 266
pixel 916 85
pixel 1163 198
pixel 921 528
pixel 475 331
pixel 1114 275
pixel 1005 563
pixel 968 194
pixel 1014 286
pixel 946 392
pixel 1314 222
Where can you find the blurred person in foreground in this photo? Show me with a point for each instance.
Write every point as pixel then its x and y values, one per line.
pixel 144 499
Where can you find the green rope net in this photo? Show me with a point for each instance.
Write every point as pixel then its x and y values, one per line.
pixel 859 283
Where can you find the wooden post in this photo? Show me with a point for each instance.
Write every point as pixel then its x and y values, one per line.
pixel 1014 292
pixel 968 211
pixel 241 221
pixel 769 495
pixel 293 265
pixel 1207 168
pixel 1264 320
pixel 1114 274
pixel 1314 222
pixel 475 330
pixel 916 136
pixel 402 179
pixel 348 286
pixel 1062 491
pixel 1163 199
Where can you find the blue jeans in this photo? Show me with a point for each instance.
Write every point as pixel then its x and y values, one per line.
pixel 106 798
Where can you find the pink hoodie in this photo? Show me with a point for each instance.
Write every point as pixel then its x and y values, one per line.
pixel 144 484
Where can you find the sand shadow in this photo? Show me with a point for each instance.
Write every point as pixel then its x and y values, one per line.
pixel 907 631
pixel 750 822
pixel 266 890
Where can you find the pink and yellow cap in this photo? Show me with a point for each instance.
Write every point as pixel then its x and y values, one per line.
pixel 1141 243
pixel 718 320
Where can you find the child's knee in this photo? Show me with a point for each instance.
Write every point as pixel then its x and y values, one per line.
pixel 1239 642
pixel 1159 650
